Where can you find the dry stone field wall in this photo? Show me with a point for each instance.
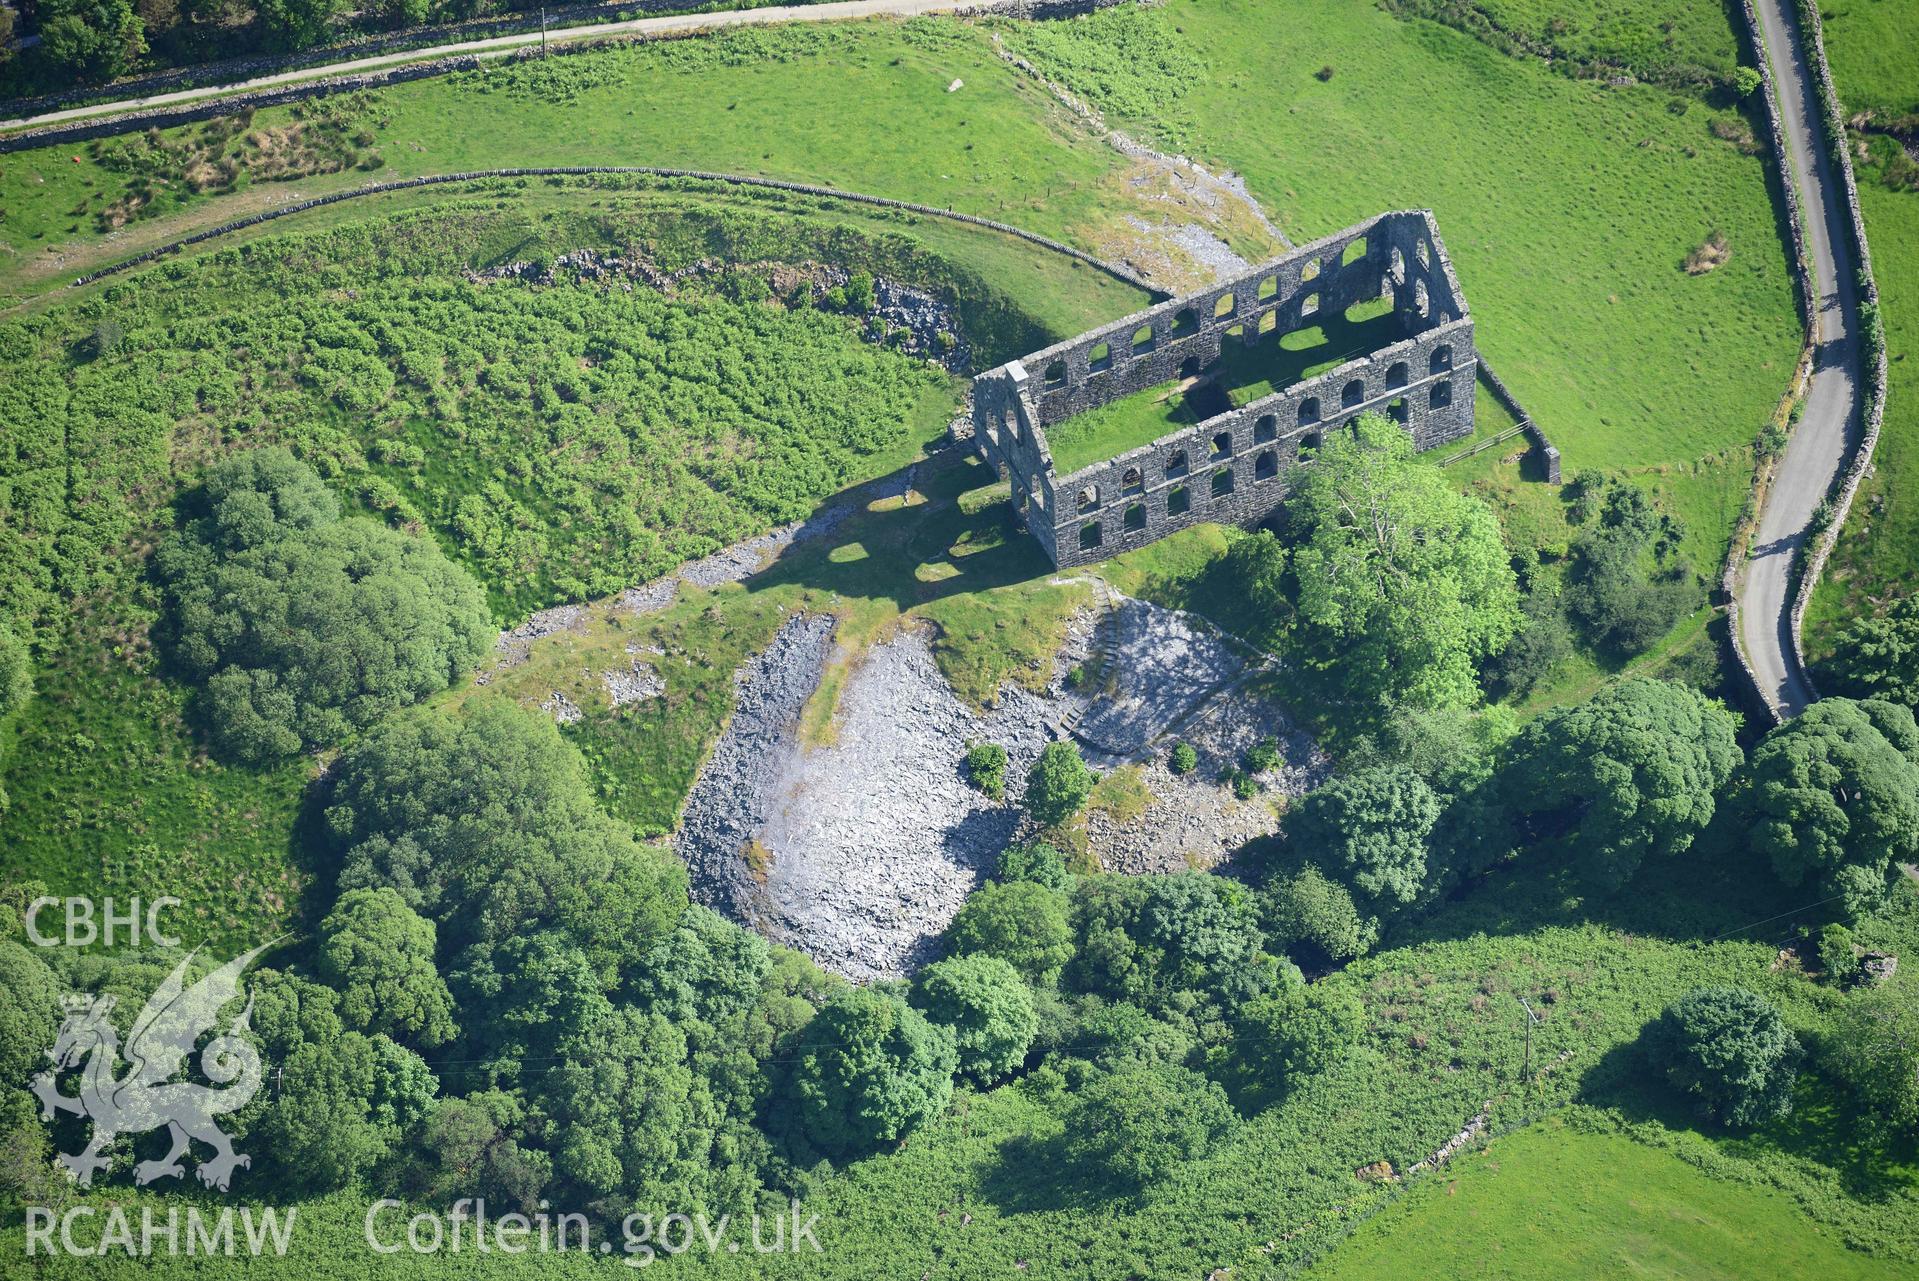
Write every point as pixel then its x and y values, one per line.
pixel 1231 468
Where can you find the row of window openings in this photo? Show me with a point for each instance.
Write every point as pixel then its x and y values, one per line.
pixel 1101 358
pixel 1179 501
pixel 1186 321
pixel 1265 431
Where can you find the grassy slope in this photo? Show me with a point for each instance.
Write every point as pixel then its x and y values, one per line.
pixel 1875 59
pixel 799 103
pixel 1648 36
pixel 1567 207
pixel 109 788
pixel 1553 1201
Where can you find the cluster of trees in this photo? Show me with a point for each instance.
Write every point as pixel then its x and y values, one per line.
pixel 1878 656
pixel 511 997
pixel 1625 584
pixel 1144 998
pixel 1397 591
pixel 508 996
pixel 1636 775
pixel 302 626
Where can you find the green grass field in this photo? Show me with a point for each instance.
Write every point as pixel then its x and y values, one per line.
pixel 1568 246
pixel 1875 61
pixel 1553 1201
pixel 795 103
pixel 1659 39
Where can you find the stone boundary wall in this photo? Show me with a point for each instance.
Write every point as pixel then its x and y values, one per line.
pixel 1232 467
pixel 1873 347
pixel 566 171
pixel 167 117
pixel 369 44
pixel 1534 432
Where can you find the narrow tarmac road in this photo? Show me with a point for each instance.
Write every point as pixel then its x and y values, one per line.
pixel 1830 424
pixel 499 46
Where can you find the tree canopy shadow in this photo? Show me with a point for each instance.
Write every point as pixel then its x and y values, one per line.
pixel 1715 890
pixel 1036 1174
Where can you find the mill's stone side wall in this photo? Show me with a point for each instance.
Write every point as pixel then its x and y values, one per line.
pixel 1231 468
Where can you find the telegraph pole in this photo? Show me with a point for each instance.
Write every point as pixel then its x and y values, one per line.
pixel 543 31
pixel 1531 1019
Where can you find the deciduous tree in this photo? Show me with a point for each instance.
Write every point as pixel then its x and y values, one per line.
pixel 1631 773
pixel 1022 923
pixel 1300 1031
pixel 1404 584
pixel 1315 919
pixel 988 1007
pixel 1729 1053
pixel 378 953
pixel 1369 829
pixel 1832 798
pixel 1139 1123
pixel 1879 657
pixel 1058 784
pixel 874 1070
pixel 1628 586
pixel 1874 1049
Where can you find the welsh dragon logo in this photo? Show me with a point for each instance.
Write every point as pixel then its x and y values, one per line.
pixel 145 1095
